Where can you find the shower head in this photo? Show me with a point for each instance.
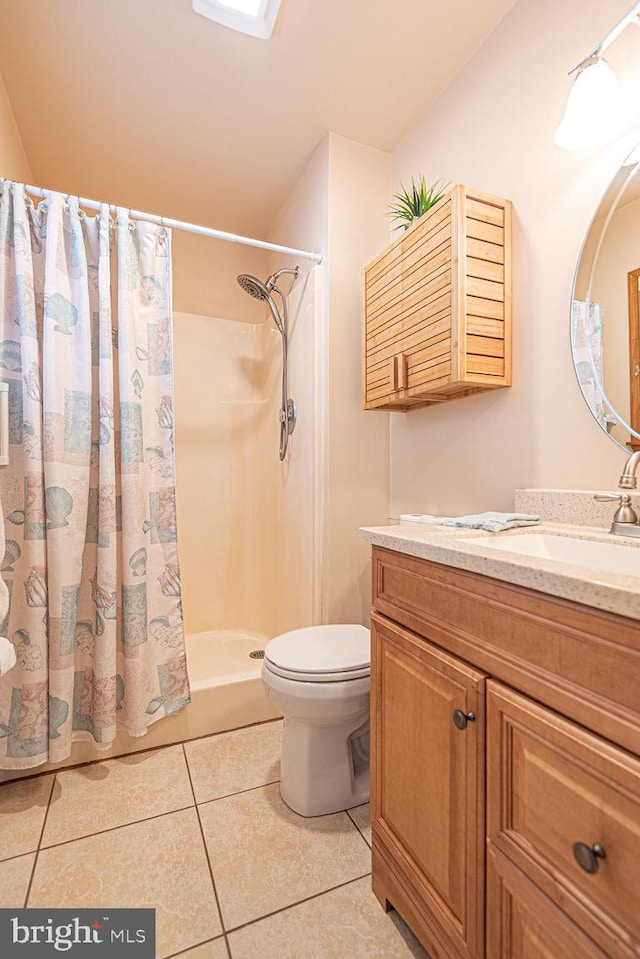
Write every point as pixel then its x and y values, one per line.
pixel 260 291
pixel 253 287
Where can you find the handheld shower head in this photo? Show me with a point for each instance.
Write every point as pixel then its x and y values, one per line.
pixel 260 291
pixel 263 291
pixel 253 287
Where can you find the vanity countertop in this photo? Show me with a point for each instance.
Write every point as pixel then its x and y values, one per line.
pixel 614 592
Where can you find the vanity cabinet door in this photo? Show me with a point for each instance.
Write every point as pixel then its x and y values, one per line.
pixel 523 924
pixel 427 790
pixel 564 806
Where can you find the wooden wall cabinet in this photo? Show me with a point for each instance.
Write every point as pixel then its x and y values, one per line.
pixel 505 767
pixel 437 306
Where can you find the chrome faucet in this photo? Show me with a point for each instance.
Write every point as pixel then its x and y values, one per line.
pixel 625 521
pixel 628 478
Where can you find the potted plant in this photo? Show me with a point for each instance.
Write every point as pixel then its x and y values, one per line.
pixel 415 201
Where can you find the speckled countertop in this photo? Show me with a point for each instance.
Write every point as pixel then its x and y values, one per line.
pixel 614 592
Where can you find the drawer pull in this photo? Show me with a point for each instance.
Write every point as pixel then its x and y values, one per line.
pixel 461 719
pixel 587 856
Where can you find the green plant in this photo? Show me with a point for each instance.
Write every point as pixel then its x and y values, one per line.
pixel 415 202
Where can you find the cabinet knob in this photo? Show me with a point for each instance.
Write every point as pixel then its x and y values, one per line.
pixel 461 719
pixel 587 856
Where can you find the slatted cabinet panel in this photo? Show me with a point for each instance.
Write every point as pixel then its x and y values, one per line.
pixel 437 311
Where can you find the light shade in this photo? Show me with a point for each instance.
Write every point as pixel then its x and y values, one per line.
pixel 634 157
pixel 594 107
pixel 254 17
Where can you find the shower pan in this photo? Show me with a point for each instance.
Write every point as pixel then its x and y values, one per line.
pixel 263 291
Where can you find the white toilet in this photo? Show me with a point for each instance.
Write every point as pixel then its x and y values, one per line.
pixel 318 678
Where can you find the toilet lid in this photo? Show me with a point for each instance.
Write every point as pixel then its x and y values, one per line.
pixel 321 652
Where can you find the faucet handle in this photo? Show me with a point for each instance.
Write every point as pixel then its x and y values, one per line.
pixel 625 512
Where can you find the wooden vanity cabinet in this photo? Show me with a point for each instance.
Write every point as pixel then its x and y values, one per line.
pixel 427 792
pixel 474 828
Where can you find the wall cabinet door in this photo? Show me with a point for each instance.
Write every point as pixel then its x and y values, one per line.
pixel 427 788
pixel 437 306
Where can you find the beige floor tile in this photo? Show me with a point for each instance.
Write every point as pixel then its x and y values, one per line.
pixel 360 816
pixel 116 792
pixel 345 922
pixel 228 763
pixel 14 881
pixel 264 857
pixel 159 864
pixel 23 806
pixel 208 950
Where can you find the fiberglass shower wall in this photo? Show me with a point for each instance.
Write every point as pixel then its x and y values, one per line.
pixel 295 498
pixel 244 522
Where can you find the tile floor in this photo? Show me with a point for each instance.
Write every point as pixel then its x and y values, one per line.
pixel 199 832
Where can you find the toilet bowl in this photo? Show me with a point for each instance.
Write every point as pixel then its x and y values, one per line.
pixel 318 678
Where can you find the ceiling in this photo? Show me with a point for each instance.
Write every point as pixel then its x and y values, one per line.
pixel 147 104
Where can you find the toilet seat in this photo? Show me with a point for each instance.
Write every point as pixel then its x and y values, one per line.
pixel 320 654
pixel 338 676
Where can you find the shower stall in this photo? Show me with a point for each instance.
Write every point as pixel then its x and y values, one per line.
pixel 248 489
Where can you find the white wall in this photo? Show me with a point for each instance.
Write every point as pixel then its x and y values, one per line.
pixel 493 129
pixel 13 160
pixel 358 440
pixel 336 209
pixel 295 527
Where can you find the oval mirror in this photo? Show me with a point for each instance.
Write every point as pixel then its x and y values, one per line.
pixel 605 310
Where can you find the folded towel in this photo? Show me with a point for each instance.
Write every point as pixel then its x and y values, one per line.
pixel 426 518
pixel 493 522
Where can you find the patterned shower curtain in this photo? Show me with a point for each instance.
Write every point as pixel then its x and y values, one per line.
pixel 88 498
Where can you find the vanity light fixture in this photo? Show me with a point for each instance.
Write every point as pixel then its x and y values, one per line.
pixel 634 158
pixel 594 103
pixel 254 17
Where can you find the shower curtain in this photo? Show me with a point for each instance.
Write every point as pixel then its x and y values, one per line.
pixel 88 498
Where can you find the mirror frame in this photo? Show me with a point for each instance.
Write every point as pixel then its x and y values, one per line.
pixel 605 210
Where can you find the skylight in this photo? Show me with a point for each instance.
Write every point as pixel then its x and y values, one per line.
pixel 250 7
pixel 254 17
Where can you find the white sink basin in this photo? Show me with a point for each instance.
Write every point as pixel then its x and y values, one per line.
pixel 611 557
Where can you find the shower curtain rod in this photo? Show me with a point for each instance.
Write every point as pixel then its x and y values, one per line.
pixel 191 227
